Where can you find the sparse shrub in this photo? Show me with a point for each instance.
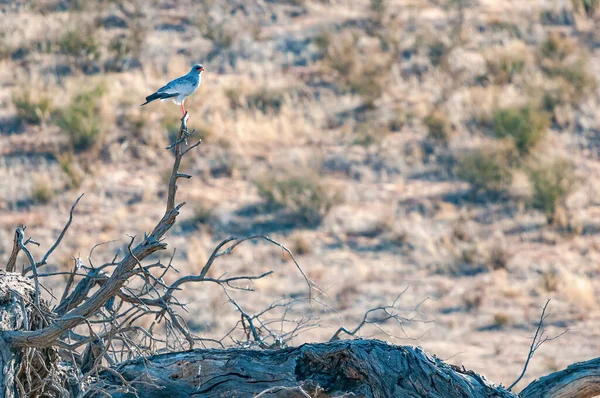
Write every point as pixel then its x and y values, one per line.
pixel 438 127
pixel 363 74
pixel 346 295
pixel 507 62
pixel 72 170
pixel 437 51
pixel 222 33
pixel 367 134
pixel 501 320
pixel 551 183
pixel 487 170
pixel 468 255
pixel 526 126
pixel 579 81
pixel 550 281
pixel 379 7
pixel 368 83
pixel 266 100
pixel 322 41
pixel 561 59
pixel 557 49
pixel 203 212
pixel 301 245
pixel 302 194
pixel 472 299
pixel 498 258
pixel 82 121
pixel 32 110
pixel 398 121
pixel 553 98
pixel 42 192
pixel 467 262
pixel 81 45
pixel 235 96
pixel 589 7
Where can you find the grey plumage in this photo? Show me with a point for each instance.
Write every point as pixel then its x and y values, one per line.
pixel 179 89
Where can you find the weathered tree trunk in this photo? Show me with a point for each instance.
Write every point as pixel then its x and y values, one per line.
pixel 366 368
pixel 580 380
pixel 16 292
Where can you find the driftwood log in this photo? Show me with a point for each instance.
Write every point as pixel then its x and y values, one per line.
pixel 365 368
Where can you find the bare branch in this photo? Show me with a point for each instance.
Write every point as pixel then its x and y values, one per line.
pixel 11 265
pixel 385 313
pixel 44 260
pixel 538 339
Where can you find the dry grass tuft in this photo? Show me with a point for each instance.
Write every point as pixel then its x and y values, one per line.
pixel 302 194
pixel 552 182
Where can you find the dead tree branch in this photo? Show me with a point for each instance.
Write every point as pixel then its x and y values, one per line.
pixel 539 338
pixel 385 313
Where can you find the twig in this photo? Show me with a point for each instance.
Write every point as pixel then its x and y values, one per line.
pixel 538 340
pixel 44 260
pixel 11 265
pixel 388 313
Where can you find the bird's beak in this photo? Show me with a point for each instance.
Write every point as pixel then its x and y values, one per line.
pixel 201 69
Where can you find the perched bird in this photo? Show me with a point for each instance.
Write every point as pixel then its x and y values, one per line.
pixel 179 89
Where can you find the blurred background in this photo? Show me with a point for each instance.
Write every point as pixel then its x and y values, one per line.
pixel 447 146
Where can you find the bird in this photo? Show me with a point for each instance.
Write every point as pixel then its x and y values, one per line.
pixel 179 89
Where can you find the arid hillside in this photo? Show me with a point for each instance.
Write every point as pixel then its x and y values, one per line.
pixel 450 147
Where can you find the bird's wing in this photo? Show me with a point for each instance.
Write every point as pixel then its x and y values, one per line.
pixel 180 85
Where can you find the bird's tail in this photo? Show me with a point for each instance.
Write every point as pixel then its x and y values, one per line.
pixel 157 95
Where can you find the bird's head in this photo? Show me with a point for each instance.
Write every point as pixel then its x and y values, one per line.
pixel 197 69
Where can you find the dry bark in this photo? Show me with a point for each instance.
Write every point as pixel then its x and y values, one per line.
pixel 579 380
pixel 365 368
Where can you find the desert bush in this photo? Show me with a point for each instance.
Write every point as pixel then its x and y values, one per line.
pixel 561 59
pixel 369 82
pixel 557 49
pixel 526 126
pixel 301 245
pixel 502 319
pixel 362 73
pixel 437 51
pixel 72 169
pixel 553 98
pixel 438 127
pixel 550 280
pixel 203 212
pixel 398 121
pixel 507 62
pixel 367 134
pixel 80 44
pixel 82 121
pixel 322 41
pixel 33 110
pixel 266 100
pixel 487 170
pixel 221 35
pixel 42 192
pixel 498 257
pixel 578 82
pixel 589 7
pixel 378 6
pixel 551 184
pixel 300 193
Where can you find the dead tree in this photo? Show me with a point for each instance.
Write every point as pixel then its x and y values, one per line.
pixel 55 351
pixel 89 342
